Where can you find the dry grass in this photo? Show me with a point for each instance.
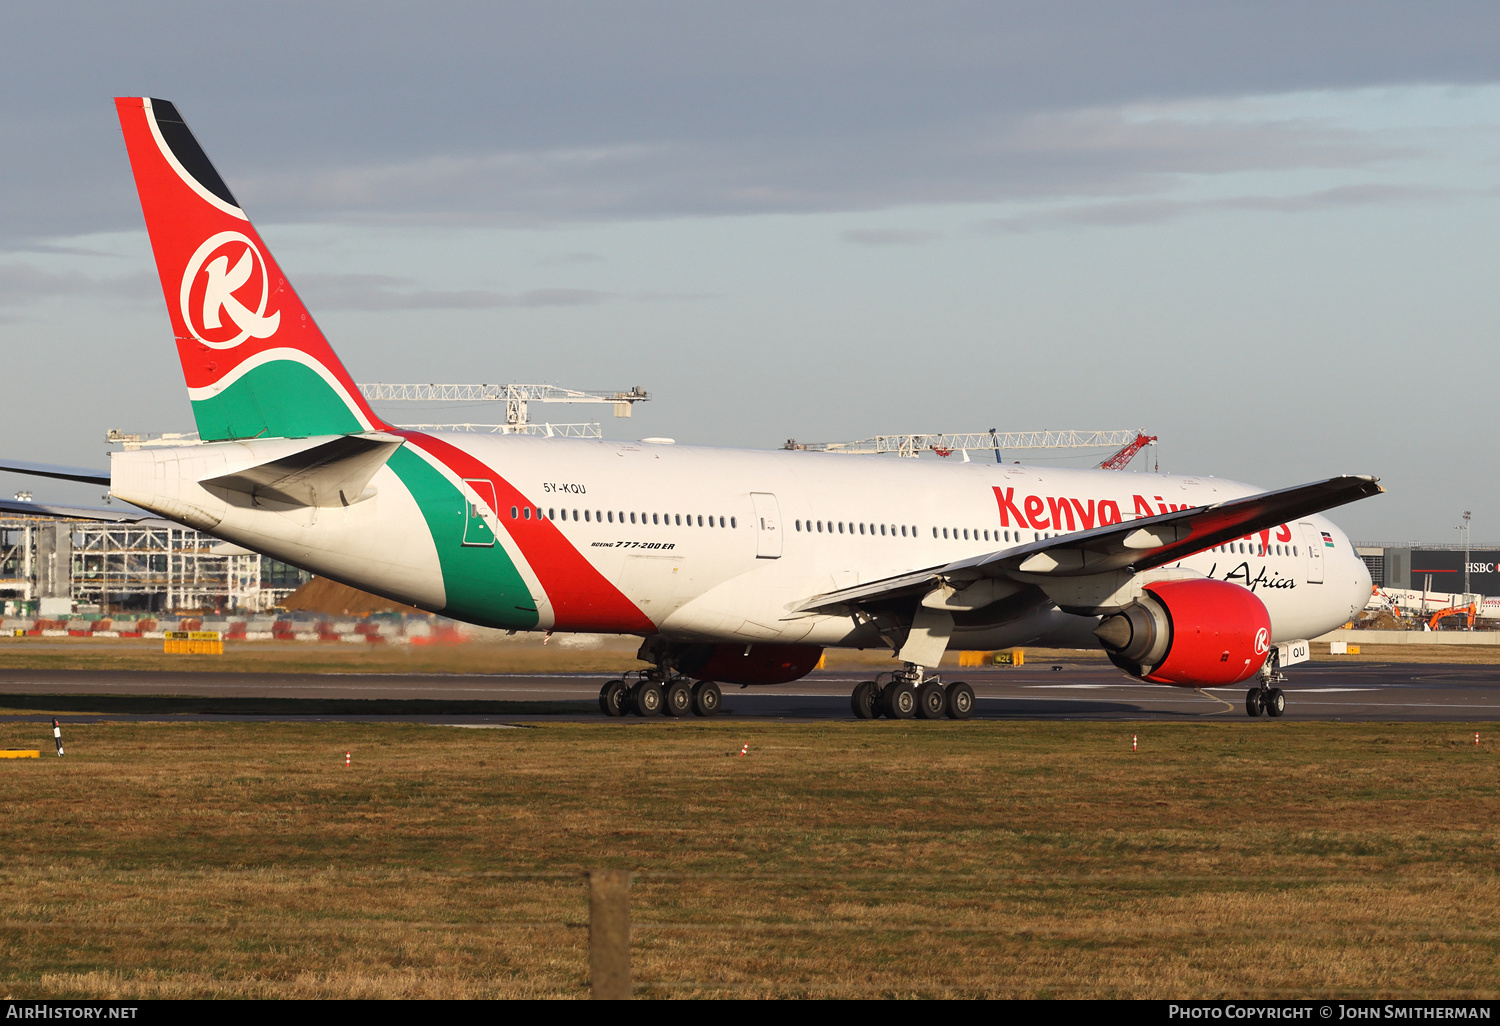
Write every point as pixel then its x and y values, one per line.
pixel 1453 654
pixel 837 859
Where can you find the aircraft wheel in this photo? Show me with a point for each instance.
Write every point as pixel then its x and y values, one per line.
pixel 707 698
pixel 931 701
pixel 612 698
pixel 864 700
pixel 960 701
pixel 1254 704
pixel 645 698
pixel 899 700
pixel 677 698
pixel 1275 702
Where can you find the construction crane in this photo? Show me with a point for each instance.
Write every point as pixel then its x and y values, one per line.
pixel 1121 459
pixel 945 444
pixel 516 398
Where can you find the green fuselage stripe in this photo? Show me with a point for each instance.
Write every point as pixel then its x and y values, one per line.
pixel 482 584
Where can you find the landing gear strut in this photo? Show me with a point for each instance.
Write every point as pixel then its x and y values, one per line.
pixel 910 693
pixel 660 689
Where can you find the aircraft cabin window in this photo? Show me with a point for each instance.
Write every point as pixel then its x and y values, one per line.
pixel 732 522
pixel 903 530
pixel 882 530
pixel 934 532
pixel 945 532
pixel 515 514
pixel 525 512
pixel 861 528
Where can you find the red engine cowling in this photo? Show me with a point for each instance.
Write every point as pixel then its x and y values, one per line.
pixel 749 664
pixel 1195 633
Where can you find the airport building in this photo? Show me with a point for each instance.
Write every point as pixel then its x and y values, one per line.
pixel 54 567
pixel 1437 568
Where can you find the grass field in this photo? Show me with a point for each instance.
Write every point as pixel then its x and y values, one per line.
pixel 838 859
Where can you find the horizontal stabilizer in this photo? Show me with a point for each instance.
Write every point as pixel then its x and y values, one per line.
pixel 109 516
pixel 330 473
pixel 1133 545
pixel 84 474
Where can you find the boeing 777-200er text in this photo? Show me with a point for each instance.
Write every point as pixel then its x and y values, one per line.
pixel 733 566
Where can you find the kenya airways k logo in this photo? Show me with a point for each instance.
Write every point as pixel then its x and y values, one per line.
pixel 221 284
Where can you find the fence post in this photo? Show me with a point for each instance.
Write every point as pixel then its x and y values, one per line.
pixel 609 934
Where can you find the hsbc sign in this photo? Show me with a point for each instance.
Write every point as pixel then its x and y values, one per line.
pixel 1445 568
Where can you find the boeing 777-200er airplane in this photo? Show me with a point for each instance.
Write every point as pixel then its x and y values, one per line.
pixel 733 566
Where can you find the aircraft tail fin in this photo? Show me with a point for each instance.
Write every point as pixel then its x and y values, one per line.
pixel 255 363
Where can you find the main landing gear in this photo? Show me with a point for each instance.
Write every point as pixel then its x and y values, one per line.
pixel 910 694
pixel 652 695
pixel 660 689
pixel 1265 697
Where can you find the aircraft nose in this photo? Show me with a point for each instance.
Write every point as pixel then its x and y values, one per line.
pixel 1364 586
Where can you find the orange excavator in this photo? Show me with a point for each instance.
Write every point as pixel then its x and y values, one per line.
pixel 1470 611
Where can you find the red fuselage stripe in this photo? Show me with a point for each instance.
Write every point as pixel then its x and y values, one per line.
pixel 582 598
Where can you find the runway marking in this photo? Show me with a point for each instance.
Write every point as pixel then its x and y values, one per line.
pixel 483 726
pixel 1038 687
pixel 1315 691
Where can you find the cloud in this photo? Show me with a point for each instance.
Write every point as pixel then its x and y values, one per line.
pixel 1125 213
pixel 886 237
pixel 24 283
pixel 510 113
pixel 384 292
pixel 569 259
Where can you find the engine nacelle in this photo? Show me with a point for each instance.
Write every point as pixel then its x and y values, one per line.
pixel 1194 633
pixel 749 664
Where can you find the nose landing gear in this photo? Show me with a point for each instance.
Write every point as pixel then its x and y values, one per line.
pixel 1265 697
pixel 1270 701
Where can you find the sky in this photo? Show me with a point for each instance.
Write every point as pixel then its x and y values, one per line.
pixel 1267 233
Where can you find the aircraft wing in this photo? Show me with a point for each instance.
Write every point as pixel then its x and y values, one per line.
pixel 1134 545
pixel 113 516
pixel 83 474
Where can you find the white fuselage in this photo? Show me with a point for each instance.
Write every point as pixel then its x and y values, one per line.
pixel 796 525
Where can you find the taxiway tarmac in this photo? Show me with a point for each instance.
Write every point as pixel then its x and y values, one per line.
pixel 1316 691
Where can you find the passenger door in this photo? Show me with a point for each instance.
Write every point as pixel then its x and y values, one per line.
pixel 477 530
pixel 767 525
pixel 1313 540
